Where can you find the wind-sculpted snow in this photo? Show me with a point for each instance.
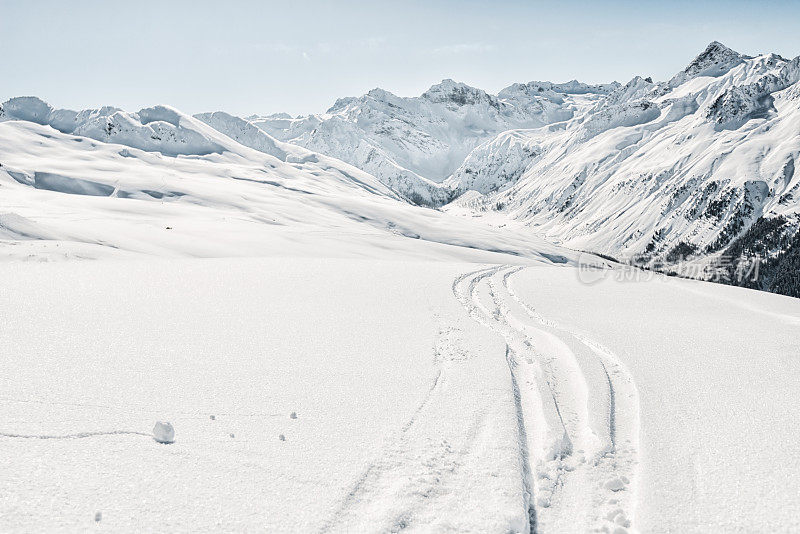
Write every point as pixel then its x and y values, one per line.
pixel 244 132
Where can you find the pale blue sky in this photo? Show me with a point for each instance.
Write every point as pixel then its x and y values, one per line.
pixel 261 57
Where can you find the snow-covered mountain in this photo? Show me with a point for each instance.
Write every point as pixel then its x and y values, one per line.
pixel 106 182
pixel 687 165
pixel 414 144
pixel 657 170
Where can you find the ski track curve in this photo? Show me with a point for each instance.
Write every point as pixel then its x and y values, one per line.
pixel 578 411
pixel 577 414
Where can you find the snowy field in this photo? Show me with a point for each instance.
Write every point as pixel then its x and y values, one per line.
pixel 429 396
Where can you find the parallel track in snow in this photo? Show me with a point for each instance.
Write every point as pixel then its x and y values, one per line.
pixel 577 406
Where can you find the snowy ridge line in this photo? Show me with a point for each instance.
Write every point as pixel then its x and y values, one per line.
pixel 621 386
pixel 77 435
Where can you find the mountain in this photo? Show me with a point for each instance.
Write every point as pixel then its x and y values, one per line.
pixel 658 171
pixel 107 182
pixel 330 358
pixel 698 168
pixel 413 144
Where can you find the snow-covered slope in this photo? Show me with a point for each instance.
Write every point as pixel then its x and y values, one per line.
pixel 414 144
pixel 654 169
pixel 107 182
pixel 427 397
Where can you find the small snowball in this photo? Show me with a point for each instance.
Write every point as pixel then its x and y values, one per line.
pixel 163 432
pixel 293 415
pixel 282 437
pixel 98 516
pixel 615 484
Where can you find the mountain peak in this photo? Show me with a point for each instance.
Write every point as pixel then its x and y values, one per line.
pixel 715 60
pixel 452 91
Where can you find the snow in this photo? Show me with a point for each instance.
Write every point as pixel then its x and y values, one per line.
pixel 696 160
pixel 414 144
pixel 403 406
pixel 121 202
pixel 718 448
pixel 163 432
pixel 414 415
pixel 332 358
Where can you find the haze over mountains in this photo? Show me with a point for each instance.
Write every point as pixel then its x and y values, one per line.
pixel 658 170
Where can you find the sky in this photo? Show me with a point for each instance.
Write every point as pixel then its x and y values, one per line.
pixel 261 57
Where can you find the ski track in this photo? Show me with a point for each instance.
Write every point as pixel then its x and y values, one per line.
pixel 579 468
pixel 77 435
pixel 395 470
